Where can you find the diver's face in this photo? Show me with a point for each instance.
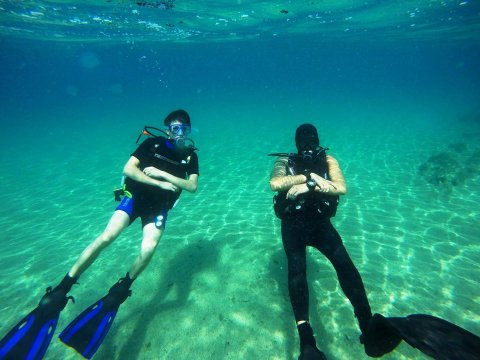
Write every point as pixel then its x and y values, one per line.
pixel 178 130
pixel 306 138
pixel 307 144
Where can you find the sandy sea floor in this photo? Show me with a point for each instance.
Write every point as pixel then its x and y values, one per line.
pixel 216 288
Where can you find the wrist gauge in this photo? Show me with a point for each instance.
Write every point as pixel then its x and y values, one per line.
pixel 311 184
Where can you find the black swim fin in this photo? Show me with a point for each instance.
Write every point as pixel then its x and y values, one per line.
pixel 433 336
pixel 436 337
pixel 30 338
pixel 86 333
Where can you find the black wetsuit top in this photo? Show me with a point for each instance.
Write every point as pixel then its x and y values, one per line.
pixel 310 203
pixel 160 153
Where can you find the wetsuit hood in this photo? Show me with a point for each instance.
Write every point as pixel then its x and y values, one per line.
pixel 306 138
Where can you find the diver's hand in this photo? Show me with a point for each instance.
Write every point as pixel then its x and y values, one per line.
pixel 296 190
pixel 165 185
pixel 153 172
pixel 322 184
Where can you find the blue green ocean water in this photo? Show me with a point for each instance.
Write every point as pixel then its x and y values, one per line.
pixel 393 90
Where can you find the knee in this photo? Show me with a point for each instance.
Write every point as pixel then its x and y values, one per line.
pixel 341 256
pixel 297 266
pixel 106 239
pixel 149 245
pixel 297 277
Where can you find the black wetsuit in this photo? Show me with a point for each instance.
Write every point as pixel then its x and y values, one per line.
pixel 303 230
pixel 312 227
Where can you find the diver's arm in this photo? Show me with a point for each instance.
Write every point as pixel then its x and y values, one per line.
pixel 279 181
pixel 132 171
pixel 336 185
pixel 189 184
pixel 286 182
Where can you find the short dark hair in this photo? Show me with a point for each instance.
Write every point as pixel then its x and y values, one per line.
pixel 179 115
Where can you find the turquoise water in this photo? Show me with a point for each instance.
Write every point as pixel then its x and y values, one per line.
pixel 393 90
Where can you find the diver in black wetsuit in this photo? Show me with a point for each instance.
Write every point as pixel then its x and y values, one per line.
pixel 308 185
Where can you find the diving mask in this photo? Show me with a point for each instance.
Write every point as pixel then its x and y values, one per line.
pixel 178 134
pixel 179 130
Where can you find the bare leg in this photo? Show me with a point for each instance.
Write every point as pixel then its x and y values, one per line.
pixel 119 221
pixel 151 238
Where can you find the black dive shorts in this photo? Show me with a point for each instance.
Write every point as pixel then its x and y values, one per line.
pixel 147 212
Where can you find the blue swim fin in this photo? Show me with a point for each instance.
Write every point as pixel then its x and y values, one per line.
pixel 29 339
pixel 86 333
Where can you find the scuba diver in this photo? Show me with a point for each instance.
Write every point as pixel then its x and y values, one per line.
pixel 155 175
pixel 309 184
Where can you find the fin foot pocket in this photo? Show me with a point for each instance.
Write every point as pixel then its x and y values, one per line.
pixel 29 339
pixel 379 338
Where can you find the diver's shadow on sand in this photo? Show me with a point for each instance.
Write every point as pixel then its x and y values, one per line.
pixel 173 288
pixel 172 291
